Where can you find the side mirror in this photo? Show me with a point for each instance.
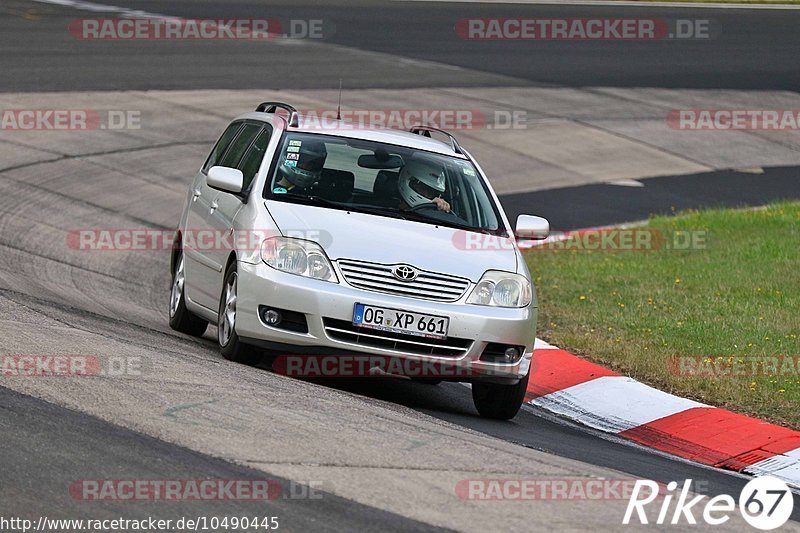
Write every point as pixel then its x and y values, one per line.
pixel 225 179
pixel 531 227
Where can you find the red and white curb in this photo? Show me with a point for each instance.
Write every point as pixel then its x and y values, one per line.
pixel 596 397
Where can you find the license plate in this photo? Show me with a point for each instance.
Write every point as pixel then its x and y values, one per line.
pixel 397 321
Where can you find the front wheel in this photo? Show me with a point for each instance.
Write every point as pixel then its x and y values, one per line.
pixel 180 318
pixel 231 347
pixel 501 402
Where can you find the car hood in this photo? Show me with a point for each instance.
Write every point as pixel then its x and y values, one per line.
pixel 377 239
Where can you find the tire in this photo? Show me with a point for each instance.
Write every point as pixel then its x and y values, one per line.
pixel 230 346
pixel 180 318
pixel 501 402
pixel 428 381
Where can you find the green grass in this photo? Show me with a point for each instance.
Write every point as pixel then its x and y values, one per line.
pixel 636 311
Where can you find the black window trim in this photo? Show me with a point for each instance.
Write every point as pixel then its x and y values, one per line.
pixel 267 194
pixel 205 167
pixel 242 124
pixel 271 130
pixel 263 125
pixel 238 133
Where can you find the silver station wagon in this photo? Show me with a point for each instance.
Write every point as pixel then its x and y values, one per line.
pixel 357 242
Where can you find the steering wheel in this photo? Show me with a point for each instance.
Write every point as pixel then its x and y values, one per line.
pixel 426 205
pixel 443 216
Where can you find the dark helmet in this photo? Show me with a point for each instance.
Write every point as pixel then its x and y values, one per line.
pixel 305 170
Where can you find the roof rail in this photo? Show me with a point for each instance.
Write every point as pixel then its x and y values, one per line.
pixel 425 131
pixel 271 107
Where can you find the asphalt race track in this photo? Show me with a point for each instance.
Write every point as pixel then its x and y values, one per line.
pixel 606 204
pixel 755 50
pixel 382 454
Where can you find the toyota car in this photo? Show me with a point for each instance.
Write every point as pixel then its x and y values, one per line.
pixel 296 239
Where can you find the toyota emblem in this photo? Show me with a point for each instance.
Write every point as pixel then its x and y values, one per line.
pixel 405 273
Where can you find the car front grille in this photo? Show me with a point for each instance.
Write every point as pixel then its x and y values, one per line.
pixel 379 278
pixel 342 330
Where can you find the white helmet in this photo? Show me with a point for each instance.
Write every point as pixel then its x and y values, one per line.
pixel 420 182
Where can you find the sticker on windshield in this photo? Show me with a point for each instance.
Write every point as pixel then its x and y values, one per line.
pixel 293 156
pixel 279 190
pixel 295 143
pixel 290 164
pixel 469 172
pixel 293 149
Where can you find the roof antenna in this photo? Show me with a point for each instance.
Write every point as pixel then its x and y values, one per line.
pixel 339 105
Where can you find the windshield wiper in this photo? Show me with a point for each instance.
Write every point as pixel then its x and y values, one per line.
pixel 415 217
pixel 311 200
pixel 419 217
pixel 324 202
pixel 371 210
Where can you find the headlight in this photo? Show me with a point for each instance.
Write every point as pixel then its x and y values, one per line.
pixel 296 256
pixel 501 289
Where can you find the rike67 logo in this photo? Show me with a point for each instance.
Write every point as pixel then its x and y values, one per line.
pixel 766 503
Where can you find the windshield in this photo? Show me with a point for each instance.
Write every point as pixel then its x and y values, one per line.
pixel 382 179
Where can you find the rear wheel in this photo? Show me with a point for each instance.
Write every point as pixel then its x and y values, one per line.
pixel 428 381
pixel 501 402
pixel 180 318
pixel 231 347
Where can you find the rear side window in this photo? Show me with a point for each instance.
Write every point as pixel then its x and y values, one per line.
pixel 239 146
pixel 251 161
pixel 222 144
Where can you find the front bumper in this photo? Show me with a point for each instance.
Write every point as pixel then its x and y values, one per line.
pixel 329 305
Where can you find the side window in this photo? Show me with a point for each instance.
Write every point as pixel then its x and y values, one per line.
pixel 239 146
pixel 251 161
pixel 222 144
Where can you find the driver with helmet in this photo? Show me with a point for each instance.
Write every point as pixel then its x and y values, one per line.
pixel 304 170
pixel 422 182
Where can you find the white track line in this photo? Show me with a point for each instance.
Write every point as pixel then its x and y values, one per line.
pixel 613 403
pixel 102 8
pixel 542 345
pixel 688 5
pixel 785 466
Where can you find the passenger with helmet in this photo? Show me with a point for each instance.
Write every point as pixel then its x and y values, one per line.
pixel 304 169
pixel 422 182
